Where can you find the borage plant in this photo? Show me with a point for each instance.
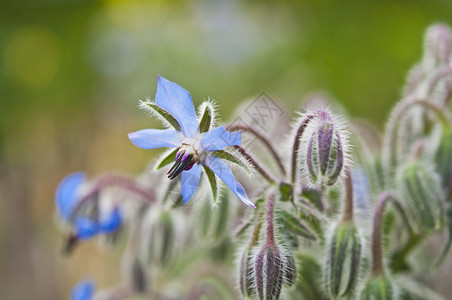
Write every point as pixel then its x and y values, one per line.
pixel 305 231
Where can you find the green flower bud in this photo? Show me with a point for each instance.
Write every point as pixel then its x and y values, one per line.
pixel 421 191
pixel 342 265
pixel 213 222
pixel 268 272
pixel 378 288
pixel 161 240
pixel 443 157
pixel 246 273
pixel 290 270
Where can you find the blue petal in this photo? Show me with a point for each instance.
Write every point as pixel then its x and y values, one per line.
pixel 84 290
pixel 189 182
pixel 218 139
pixel 112 223
pixel 156 138
pixel 66 194
pixel 85 228
pixel 177 101
pixel 224 173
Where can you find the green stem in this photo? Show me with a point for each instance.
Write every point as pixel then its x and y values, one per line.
pixel 263 139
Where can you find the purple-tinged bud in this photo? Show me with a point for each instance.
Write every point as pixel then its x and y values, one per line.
pixel 269 273
pixel 246 273
pixel 324 149
pixel 437 46
pixel 343 260
pixel 421 192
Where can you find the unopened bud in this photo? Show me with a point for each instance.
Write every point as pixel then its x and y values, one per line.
pixel 213 222
pixel 421 191
pixel 378 288
pixel 246 273
pixel 324 149
pixel 443 157
pixel 139 277
pixel 161 240
pixel 342 265
pixel 268 272
pixel 437 47
pixel 290 270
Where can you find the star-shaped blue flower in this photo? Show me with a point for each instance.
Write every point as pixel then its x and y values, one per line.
pixel 194 147
pixel 67 197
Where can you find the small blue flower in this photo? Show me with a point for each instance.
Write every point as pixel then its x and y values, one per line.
pixel 84 290
pixel 194 148
pixel 67 197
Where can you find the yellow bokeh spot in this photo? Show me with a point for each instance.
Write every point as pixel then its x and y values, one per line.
pixel 32 57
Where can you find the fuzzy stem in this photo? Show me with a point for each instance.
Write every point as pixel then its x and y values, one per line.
pixel 377 247
pixel 347 215
pixel 263 139
pixel 296 145
pixel 257 229
pixel 256 165
pixel 270 216
pixel 122 181
pixel 389 143
pixel 439 74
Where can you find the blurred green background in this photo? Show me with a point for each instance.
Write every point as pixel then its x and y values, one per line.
pixel 72 71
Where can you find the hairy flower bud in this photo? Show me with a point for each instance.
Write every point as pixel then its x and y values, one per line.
pixel 246 273
pixel 160 245
pixel 324 149
pixel 438 46
pixel 213 222
pixel 343 260
pixel 421 191
pixel 290 270
pixel 443 157
pixel 269 271
pixel 378 288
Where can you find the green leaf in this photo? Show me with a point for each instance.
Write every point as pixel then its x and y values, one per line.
pixel 213 182
pixel 206 120
pixel 292 224
pixel 166 115
pixel 166 160
pixel 232 158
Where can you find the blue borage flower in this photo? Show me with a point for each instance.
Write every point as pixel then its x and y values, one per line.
pixel 68 195
pixel 195 144
pixel 84 290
